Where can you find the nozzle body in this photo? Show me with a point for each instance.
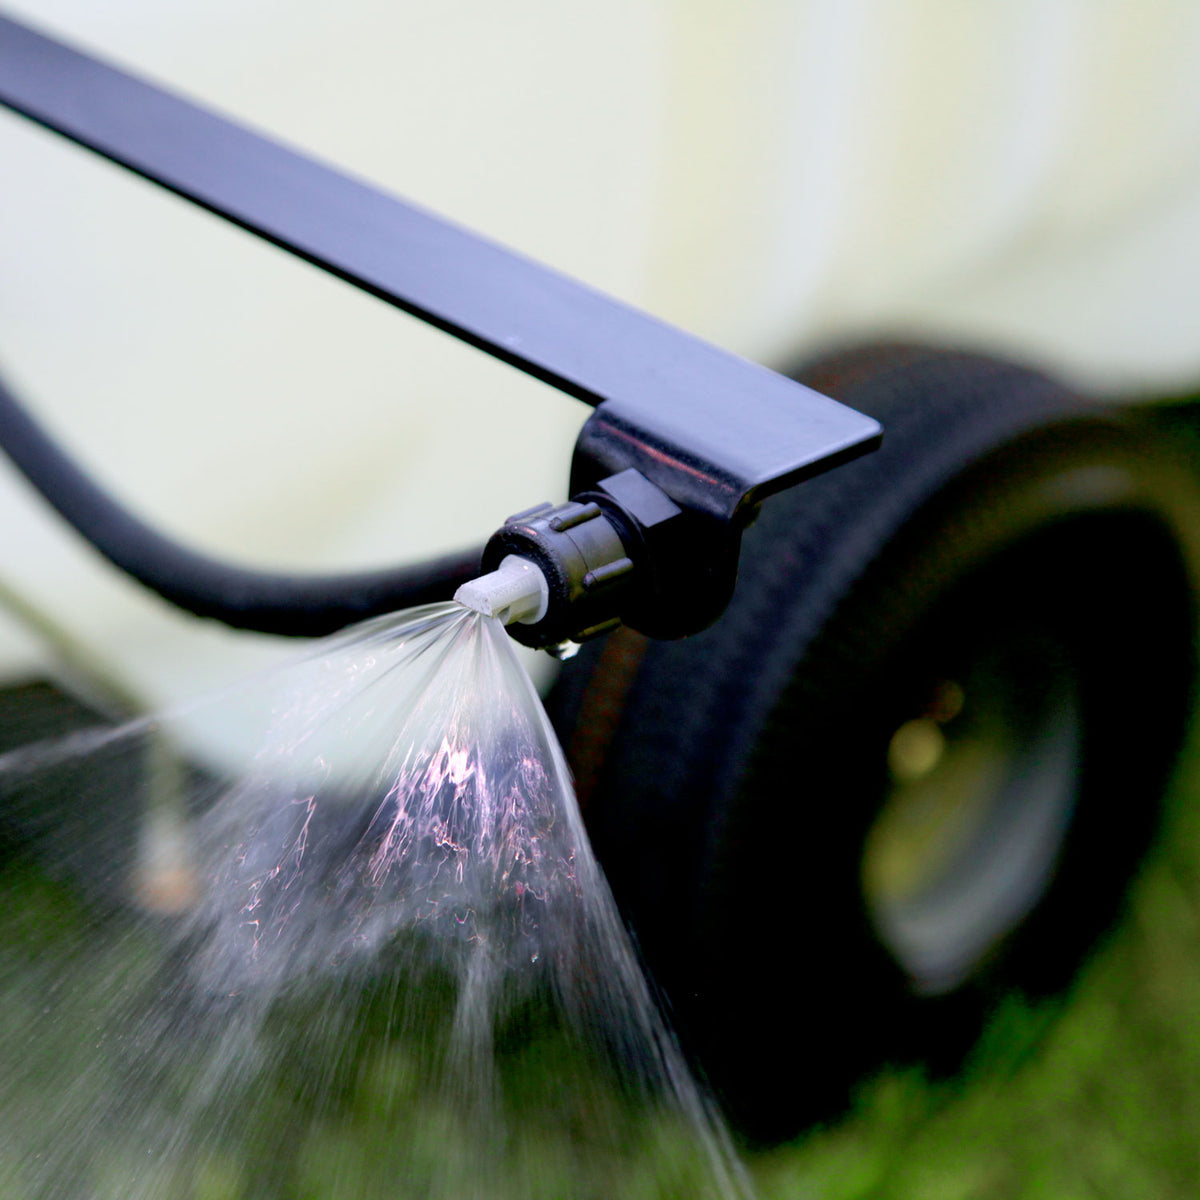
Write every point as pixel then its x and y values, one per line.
pixel 622 551
pixel 580 553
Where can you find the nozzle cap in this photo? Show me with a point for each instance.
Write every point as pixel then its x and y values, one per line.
pixel 516 591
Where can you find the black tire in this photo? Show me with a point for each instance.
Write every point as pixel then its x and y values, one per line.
pixel 1008 585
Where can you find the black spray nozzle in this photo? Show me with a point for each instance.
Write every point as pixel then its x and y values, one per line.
pixel 579 553
pixel 623 551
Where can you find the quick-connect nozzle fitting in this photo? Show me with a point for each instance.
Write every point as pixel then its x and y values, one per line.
pixel 621 551
pixel 578 549
pixel 515 591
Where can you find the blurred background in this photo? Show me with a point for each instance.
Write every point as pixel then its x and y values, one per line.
pixel 776 177
pixel 779 177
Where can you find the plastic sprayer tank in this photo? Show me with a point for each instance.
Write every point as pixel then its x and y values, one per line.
pixel 770 177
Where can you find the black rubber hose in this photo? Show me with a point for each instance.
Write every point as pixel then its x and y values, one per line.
pixel 263 601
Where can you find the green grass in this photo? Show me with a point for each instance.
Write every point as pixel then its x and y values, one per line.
pixel 1095 1096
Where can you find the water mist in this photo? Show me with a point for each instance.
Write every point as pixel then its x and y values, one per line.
pixel 369 953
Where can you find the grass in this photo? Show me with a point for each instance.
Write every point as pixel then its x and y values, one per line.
pixel 1095 1096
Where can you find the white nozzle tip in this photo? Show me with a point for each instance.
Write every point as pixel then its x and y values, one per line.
pixel 515 591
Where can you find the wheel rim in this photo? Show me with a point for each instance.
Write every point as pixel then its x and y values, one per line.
pixel 981 792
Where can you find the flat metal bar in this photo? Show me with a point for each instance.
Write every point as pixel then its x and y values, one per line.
pixel 747 430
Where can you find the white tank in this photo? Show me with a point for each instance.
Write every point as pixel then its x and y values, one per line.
pixel 774 176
